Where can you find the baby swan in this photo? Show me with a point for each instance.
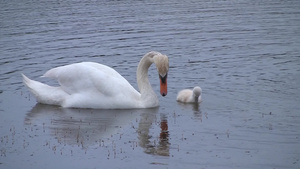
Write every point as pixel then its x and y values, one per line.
pixel 190 96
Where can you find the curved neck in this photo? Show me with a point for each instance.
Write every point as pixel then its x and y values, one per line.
pixel 144 85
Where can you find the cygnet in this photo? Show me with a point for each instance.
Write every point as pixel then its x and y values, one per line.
pixel 190 96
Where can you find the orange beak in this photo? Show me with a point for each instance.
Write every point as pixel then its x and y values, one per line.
pixel 163 85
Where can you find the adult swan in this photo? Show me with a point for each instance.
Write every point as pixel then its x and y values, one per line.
pixel 93 85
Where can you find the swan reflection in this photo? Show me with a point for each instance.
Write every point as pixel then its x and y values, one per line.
pixel 162 147
pixel 89 127
pixel 197 113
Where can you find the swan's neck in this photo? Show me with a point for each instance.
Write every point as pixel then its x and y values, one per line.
pixel 196 98
pixel 147 93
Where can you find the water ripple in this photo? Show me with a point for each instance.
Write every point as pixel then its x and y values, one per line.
pixel 243 54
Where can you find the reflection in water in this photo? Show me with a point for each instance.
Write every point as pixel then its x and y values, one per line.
pixel 84 127
pixel 162 148
pixel 196 109
pixel 164 137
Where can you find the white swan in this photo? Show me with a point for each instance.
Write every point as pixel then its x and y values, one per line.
pixel 93 85
pixel 190 96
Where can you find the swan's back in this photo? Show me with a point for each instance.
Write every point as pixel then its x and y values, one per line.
pixel 184 95
pixel 86 85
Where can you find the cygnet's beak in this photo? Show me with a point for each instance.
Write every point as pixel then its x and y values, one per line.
pixel 163 85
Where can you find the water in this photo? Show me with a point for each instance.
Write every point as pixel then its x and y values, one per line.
pixel 244 54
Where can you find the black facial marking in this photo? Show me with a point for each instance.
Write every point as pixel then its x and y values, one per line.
pixel 163 79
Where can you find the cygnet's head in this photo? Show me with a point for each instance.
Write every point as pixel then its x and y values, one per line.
pixel 197 91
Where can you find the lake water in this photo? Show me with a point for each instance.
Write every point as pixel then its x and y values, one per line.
pixel 244 54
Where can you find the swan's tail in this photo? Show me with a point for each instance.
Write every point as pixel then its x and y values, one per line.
pixel 44 93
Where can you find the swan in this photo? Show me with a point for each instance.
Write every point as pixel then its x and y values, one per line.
pixel 97 86
pixel 190 96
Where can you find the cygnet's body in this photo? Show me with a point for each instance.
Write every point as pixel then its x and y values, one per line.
pixel 190 96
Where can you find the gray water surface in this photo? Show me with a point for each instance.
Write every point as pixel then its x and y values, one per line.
pixel 245 55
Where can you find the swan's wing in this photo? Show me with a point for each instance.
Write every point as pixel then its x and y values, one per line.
pixel 103 68
pixel 90 77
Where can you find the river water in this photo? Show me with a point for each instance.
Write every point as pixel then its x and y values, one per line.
pixel 244 54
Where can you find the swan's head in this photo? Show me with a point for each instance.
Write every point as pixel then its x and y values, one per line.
pixel 162 63
pixel 197 91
